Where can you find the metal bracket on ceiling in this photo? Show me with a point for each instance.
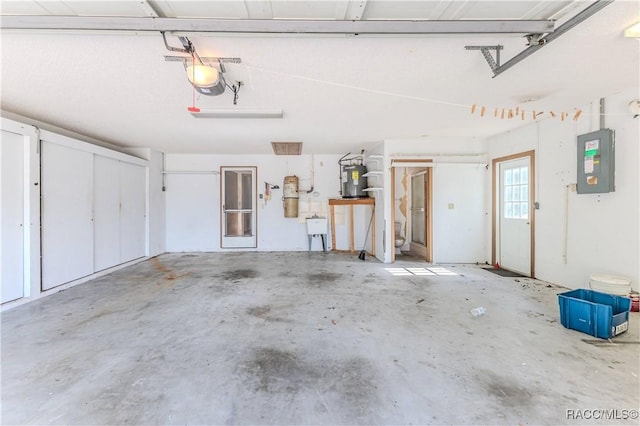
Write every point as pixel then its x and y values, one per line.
pixel 206 60
pixel 486 52
pixel 537 40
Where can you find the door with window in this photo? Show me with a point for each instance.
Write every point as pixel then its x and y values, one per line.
pixel 515 215
pixel 238 201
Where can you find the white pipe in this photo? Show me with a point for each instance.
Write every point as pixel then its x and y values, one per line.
pixel 400 156
pixel 435 164
pixel 565 224
pixel 190 172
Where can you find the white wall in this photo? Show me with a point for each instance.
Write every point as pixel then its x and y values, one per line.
pixel 155 201
pixel 603 229
pixel 459 234
pixel 459 212
pixel 193 200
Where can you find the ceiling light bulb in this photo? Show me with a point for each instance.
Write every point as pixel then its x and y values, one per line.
pixel 633 31
pixel 202 75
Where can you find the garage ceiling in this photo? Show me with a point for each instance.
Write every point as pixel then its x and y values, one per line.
pixel 339 92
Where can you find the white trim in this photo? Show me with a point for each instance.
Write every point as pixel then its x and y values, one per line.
pixel 278 26
pixel 73 143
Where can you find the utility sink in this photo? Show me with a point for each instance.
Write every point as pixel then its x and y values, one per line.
pixel 316 225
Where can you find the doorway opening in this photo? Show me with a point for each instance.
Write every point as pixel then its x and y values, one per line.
pixel 411 210
pixel 513 213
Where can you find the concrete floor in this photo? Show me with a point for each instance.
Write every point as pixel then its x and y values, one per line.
pixel 297 338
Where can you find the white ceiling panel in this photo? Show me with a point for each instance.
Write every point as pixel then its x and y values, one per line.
pixel 307 9
pixel 235 9
pixel 462 9
pixel 26 7
pixel 73 8
pixel 106 8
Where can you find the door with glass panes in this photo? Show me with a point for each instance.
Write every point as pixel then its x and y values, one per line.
pixel 515 215
pixel 238 201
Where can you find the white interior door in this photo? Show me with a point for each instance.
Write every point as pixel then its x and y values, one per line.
pixel 238 207
pixel 67 214
pixel 106 212
pixel 515 216
pixel 419 214
pixel 418 209
pixel 12 186
pixel 132 211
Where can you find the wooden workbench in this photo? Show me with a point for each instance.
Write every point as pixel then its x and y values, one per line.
pixel 352 202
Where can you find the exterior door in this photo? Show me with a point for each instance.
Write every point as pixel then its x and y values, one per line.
pixel 515 215
pixel 12 231
pixel 238 217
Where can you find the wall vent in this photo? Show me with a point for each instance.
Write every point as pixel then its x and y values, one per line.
pixel 287 148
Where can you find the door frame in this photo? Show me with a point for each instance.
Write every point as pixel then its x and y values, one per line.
pixel 255 204
pixel 495 199
pixel 417 162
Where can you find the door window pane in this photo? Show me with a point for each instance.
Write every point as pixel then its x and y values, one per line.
pixel 524 192
pixel 515 193
pixel 508 210
pixel 247 224
pixel 231 200
pixel 508 177
pixel 232 228
pixel 247 191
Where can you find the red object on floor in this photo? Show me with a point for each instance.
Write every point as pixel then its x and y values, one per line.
pixel 635 302
pixel 193 109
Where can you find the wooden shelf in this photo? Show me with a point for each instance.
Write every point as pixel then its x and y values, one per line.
pixel 351 201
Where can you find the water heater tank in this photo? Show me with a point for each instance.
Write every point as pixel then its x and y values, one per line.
pixel 353 181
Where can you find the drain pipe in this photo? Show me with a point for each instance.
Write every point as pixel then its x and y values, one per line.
pixel 340 169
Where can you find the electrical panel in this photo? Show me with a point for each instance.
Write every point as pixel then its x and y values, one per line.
pixel 596 162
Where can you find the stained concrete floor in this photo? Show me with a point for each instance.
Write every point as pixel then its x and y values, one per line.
pixel 297 338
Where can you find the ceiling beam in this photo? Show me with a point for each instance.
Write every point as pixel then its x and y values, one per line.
pixel 261 26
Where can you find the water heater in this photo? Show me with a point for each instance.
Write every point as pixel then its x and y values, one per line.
pixel 290 196
pixel 353 181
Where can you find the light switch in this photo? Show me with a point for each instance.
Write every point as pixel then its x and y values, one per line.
pixel 451 206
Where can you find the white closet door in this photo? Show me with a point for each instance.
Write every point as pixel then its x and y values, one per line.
pixel 106 207
pixel 12 184
pixel 67 220
pixel 133 180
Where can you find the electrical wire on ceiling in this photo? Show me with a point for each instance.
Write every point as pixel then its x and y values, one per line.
pixel 348 86
pixel 510 113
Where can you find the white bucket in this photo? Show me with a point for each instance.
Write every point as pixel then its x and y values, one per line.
pixel 610 284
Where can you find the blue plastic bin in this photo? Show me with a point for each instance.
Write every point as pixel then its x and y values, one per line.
pixel 598 314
